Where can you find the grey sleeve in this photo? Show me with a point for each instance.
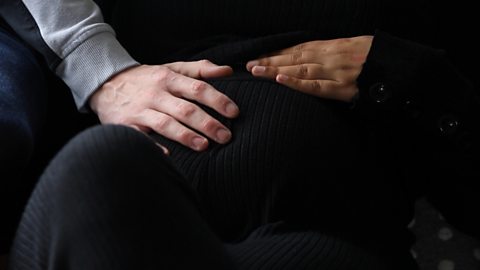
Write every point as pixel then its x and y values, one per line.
pixel 73 38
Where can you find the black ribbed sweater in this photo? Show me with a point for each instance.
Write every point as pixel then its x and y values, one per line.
pixel 233 32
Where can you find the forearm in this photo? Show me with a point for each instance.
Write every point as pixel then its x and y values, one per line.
pixel 72 37
pixel 440 108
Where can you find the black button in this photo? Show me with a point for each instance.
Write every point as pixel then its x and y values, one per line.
pixel 379 93
pixel 448 124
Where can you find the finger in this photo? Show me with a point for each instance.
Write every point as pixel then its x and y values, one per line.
pixel 167 126
pixel 303 71
pixel 302 57
pixel 144 131
pixel 319 88
pixel 164 149
pixel 193 116
pixel 202 92
pixel 200 69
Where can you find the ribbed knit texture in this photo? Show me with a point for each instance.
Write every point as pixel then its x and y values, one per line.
pixel 111 200
pixel 299 160
pixel 300 186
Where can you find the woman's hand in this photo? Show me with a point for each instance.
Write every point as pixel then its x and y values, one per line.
pixel 159 98
pixel 323 68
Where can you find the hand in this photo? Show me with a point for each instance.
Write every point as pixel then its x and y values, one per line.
pixel 157 98
pixel 324 68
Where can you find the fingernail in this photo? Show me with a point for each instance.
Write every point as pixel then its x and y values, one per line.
pixel 282 78
pixel 231 109
pixel 251 64
pixel 198 143
pixel 223 135
pixel 258 69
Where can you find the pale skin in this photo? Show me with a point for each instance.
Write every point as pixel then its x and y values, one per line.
pixel 159 98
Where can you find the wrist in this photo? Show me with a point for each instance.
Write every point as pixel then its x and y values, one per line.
pixel 107 91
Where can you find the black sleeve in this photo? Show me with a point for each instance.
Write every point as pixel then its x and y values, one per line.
pixel 406 80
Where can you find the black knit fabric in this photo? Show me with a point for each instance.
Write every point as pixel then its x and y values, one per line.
pixel 285 193
pixel 302 185
pixel 111 200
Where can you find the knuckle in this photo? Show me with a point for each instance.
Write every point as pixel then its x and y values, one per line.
pixel 161 74
pixel 198 88
pixel 219 99
pixel 185 110
pixel 264 61
pixel 209 125
pixel 162 123
pixel 183 135
pixel 303 71
pixel 316 86
pixel 296 58
pixel 204 62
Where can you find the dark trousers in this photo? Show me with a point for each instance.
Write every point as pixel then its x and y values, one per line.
pixel 22 104
pixel 22 114
pixel 37 117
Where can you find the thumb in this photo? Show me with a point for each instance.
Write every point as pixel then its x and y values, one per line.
pixel 200 69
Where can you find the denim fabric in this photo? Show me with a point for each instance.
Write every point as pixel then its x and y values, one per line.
pixel 22 111
pixel 22 103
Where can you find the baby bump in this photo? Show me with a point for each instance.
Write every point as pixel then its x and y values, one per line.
pixel 285 143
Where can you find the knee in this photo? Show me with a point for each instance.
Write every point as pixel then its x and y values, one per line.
pixel 107 146
pixel 105 156
pixel 106 165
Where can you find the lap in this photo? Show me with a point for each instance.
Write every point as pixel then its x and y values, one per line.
pixel 289 154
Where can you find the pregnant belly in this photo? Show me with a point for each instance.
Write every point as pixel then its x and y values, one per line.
pixel 288 156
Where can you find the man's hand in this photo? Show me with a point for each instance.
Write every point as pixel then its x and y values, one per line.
pixel 324 68
pixel 158 98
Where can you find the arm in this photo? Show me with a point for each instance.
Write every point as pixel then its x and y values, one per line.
pixel 443 108
pixel 82 50
pixel 72 37
pixel 412 88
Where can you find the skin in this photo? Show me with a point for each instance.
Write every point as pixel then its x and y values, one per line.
pixel 323 68
pixel 159 98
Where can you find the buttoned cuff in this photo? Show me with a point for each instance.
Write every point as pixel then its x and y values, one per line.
pixel 390 75
pixel 406 80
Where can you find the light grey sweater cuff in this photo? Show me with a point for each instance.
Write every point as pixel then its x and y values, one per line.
pixel 91 64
